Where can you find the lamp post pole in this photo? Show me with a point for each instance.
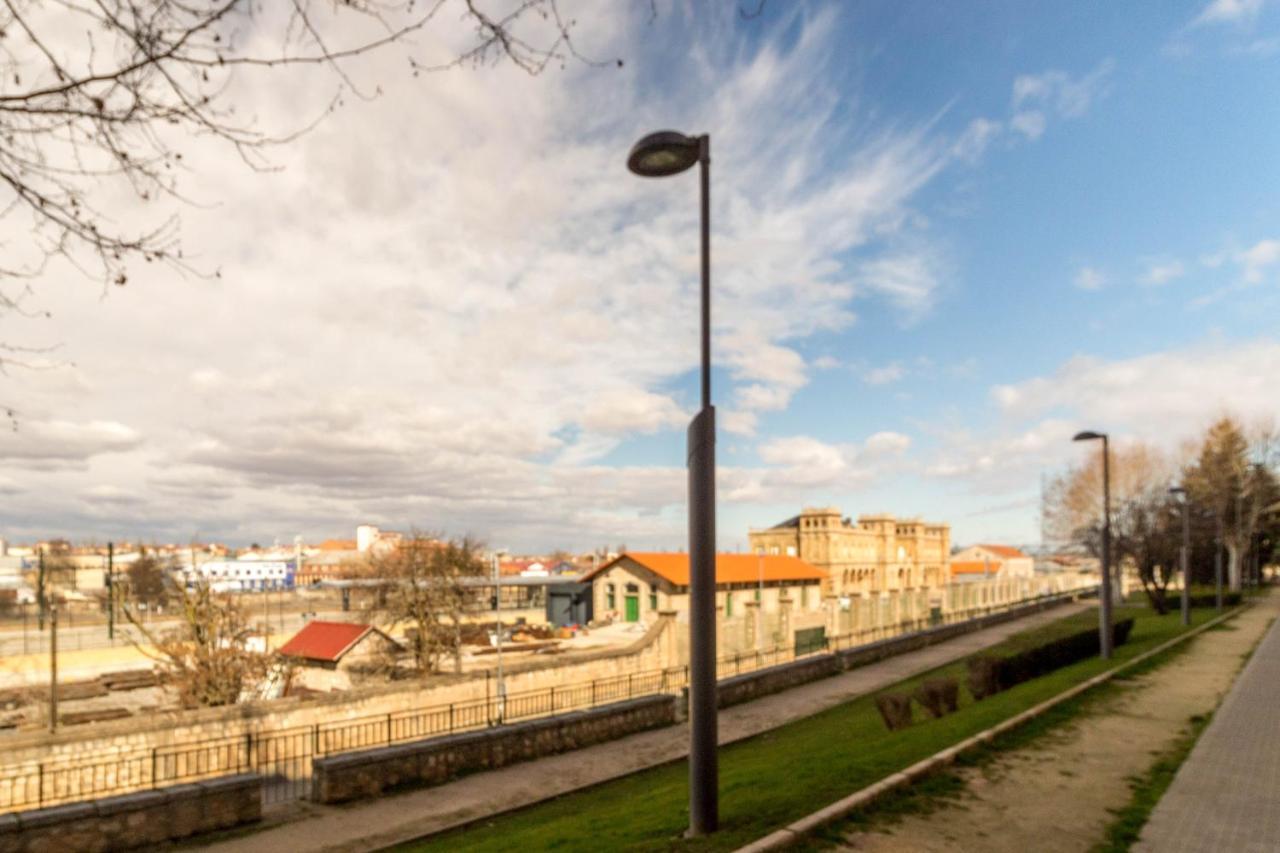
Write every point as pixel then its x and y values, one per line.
pixel 1104 603
pixel 1185 555
pixel 660 155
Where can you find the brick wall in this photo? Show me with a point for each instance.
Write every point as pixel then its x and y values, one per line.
pixel 130 821
pixel 356 775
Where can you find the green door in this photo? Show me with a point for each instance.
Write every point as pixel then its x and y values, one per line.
pixel 633 608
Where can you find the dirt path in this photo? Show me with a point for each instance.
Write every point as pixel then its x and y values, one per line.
pixel 1055 794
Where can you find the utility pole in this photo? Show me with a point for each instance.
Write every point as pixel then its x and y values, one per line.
pixel 40 594
pixel 497 600
pixel 111 591
pixel 53 669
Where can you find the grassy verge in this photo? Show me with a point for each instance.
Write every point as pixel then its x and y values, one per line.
pixel 774 778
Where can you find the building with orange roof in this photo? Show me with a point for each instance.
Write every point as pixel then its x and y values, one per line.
pixel 1004 561
pixel 875 554
pixel 637 586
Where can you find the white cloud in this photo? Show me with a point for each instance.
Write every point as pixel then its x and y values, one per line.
pixel 885 374
pixel 1030 123
pixel 1089 278
pixel 61 443
pixel 1258 259
pixel 887 443
pixel 455 332
pixel 1056 92
pixel 802 451
pixel 1162 272
pixel 909 280
pixel 1228 12
pixel 977 135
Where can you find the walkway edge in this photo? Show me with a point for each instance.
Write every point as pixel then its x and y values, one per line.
pixel 787 836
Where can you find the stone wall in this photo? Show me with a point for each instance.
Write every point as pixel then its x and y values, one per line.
pixel 170 729
pixel 130 821
pixel 357 775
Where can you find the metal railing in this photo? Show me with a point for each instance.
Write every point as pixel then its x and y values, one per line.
pixel 284 757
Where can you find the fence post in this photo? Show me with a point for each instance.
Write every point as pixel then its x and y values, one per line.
pixel 248 753
pixel 553 698
pixel 389 728
pixel 40 785
pixel 153 767
pixel 593 693
pixel 315 739
pixel 630 688
pixel 450 718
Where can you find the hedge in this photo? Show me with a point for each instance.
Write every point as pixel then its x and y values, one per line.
pixel 989 674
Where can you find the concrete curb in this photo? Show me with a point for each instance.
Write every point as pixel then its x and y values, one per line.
pixel 787 836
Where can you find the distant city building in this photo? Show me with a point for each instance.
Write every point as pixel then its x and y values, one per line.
pixel 878 553
pixel 244 574
pixel 991 561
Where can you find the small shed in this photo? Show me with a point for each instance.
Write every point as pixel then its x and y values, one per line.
pixel 338 645
pixel 569 604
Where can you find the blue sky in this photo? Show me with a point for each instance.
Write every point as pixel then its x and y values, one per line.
pixel 945 237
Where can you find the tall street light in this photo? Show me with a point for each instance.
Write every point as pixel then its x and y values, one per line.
pixel 1181 493
pixel 660 155
pixel 1104 608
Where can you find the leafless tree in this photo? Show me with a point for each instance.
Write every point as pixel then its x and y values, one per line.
pixel 206 657
pixel 422 589
pixel 100 96
pixel 1143 532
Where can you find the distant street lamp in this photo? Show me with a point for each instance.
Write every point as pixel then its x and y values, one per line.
pixel 1186 552
pixel 1104 608
pixel 660 155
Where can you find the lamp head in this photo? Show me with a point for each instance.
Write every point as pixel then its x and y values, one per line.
pixel 1088 435
pixel 664 153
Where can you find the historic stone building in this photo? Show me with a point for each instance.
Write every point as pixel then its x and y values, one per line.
pixel 878 553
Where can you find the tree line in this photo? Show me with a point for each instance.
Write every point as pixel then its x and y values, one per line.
pixel 1232 498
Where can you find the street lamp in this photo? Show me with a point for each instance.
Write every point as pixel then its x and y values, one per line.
pixel 1186 552
pixel 1104 608
pixel 660 155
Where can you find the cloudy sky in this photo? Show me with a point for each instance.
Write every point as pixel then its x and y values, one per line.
pixel 945 237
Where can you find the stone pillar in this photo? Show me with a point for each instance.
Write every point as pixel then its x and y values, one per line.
pixel 784 621
pixel 667 645
pixel 754 636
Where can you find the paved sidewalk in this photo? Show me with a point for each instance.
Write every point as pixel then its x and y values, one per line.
pixel 1225 794
pixel 402 817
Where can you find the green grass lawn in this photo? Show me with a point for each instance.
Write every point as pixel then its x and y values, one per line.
pixel 774 778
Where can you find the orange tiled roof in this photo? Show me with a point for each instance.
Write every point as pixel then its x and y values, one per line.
pixel 730 568
pixel 975 567
pixel 338 545
pixel 1006 551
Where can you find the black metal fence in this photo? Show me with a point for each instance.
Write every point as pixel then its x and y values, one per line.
pixel 283 757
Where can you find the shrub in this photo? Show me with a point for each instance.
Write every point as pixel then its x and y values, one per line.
pixel 895 709
pixel 1200 599
pixel 983 677
pixel 988 675
pixel 939 696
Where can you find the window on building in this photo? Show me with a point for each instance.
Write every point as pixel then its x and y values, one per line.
pixel 774 550
pixel 804 597
pixel 653 598
pixel 757 594
pixel 728 604
pixel 612 596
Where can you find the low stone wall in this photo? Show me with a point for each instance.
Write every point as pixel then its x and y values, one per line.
pixel 130 821
pixel 355 775
pixel 774 679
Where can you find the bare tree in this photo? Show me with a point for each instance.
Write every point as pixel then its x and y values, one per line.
pixel 99 96
pixel 148 579
pixel 1141 526
pixel 422 589
pixel 206 658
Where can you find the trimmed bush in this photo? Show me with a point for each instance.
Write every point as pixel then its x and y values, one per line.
pixel 989 675
pixel 895 710
pixel 939 696
pixel 1199 599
